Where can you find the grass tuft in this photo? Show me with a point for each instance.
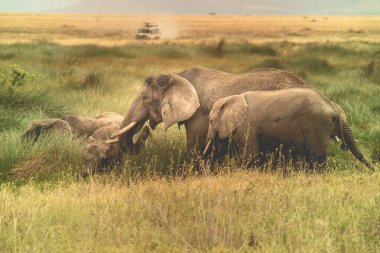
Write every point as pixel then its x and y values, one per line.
pixel 269 63
pixel 7 56
pixel 329 50
pixel 93 51
pixel 21 103
pixel 217 50
pixel 170 52
pixel 266 50
pixel 90 80
pixel 372 71
pixel 45 159
pixel 313 65
pixel 368 69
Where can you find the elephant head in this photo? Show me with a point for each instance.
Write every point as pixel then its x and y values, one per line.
pixel 99 154
pixel 226 116
pixel 343 130
pixel 166 98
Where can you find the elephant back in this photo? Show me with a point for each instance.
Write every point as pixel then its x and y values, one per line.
pixel 212 85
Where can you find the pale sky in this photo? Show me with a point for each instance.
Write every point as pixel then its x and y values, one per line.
pixel 34 5
pixel 290 7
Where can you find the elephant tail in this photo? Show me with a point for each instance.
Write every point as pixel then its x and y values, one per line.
pixel 349 142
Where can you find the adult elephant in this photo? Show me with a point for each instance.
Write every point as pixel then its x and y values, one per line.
pixel 299 122
pixel 186 98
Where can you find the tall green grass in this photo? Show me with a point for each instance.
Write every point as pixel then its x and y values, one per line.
pixel 90 79
pixel 52 155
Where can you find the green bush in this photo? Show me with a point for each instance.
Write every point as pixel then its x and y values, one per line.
pixel 16 78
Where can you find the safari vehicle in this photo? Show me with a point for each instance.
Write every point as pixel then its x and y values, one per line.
pixel 148 31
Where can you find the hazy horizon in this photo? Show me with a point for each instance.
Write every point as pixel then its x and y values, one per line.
pixel 254 7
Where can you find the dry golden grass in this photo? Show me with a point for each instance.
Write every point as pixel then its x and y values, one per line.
pixel 107 29
pixel 242 211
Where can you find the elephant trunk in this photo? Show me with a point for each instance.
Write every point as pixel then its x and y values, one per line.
pixel 136 118
pixel 350 142
pixel 209 140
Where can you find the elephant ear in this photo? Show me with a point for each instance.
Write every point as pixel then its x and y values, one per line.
pixel 180 99
pixel 233 112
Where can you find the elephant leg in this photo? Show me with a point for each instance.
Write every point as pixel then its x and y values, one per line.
pixel 250 151
pixel 316 149
pixel 196 131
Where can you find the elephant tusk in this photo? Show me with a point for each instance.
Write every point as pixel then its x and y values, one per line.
pixel 111 141
pixel 124 130
pixel 337 138
pixel 207 147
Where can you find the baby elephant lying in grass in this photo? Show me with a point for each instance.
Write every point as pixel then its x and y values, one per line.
pixel 79 126
pixel 300 120
pixel 102 153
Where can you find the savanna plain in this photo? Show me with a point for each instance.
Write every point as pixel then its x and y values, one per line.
pixel 158 200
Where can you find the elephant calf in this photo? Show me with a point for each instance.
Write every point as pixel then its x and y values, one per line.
pixel 80 126
pixel 101 152
pixel 300 120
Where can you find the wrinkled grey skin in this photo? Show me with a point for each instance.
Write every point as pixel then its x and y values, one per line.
pixel 187 97
pixel 38 127
pixel 100 156
pixel 79 126
pixel 97 153
pixel 300 119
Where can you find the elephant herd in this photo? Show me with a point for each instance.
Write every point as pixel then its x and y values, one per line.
pixel 261 112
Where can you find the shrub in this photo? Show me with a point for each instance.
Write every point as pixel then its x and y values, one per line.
pixel 17 100
pixel 16 78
